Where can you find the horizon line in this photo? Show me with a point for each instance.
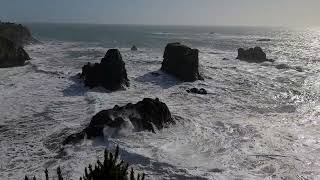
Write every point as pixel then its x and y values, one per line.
pixel 177 25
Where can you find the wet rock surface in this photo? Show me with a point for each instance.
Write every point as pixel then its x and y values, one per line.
pixel 146 115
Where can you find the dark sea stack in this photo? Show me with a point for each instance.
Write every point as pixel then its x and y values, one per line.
pixel 252 55
pixel 110 73
pixel 16 33
pixel 146 115
pixel 11 54
pixel 134 48
pixel 197 91
pixel 182 62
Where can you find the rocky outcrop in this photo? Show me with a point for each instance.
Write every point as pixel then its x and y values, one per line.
pixel 197 91
pixel 110 73
pixel 146 115
pixel 134 48
pixel 16 33
pixel 11 54
pixel 182 62
pixel 252 55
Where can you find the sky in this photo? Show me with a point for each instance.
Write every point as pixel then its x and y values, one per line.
pixel 165 12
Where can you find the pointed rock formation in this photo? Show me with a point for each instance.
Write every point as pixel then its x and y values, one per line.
pixel 110 73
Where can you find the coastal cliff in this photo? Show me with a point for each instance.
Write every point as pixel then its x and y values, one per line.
pixel 16 33
pixel 11 54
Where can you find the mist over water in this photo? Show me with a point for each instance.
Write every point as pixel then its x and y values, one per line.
pixel 257 122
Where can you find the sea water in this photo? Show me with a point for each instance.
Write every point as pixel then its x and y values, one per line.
pixel 257 122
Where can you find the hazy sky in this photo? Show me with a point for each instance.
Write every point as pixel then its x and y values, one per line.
pixel 185 12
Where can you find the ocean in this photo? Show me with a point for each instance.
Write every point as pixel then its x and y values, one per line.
pixel 257 121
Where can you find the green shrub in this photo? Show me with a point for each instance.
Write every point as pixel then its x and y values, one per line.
pixel 110 169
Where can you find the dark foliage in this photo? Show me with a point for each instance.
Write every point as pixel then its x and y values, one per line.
pixel 109 169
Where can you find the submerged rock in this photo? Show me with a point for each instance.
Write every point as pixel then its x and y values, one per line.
pixel 146 115
pixel 182 62
pixel 156 74
pixel 298 68
pixel 285 66
pixel 253 55
pixel 110 73
pixel 16 33
pixel 264 40
pixel 11 54
pixel 282 66
pixel 197 91
pixel 134 48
